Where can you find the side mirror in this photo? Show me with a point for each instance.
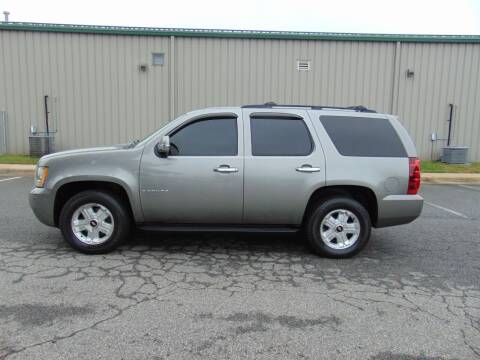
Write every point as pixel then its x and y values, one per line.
pixel 163 147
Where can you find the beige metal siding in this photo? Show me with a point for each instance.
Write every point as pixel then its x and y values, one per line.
pixel 444 74
pixel 99 95
pixel 220 72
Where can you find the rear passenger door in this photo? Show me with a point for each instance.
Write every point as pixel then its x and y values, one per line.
pixel 284 164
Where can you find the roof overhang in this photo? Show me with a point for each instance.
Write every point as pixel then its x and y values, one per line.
pixel 244 34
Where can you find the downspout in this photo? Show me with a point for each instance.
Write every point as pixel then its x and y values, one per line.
pixel 47 126
pixel 450 119
pixel 172 78
pixel 45 101
pixel 4 120
pixel 396 79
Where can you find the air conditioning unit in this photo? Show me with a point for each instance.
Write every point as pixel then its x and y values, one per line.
pixel 41 144
pixel 455 155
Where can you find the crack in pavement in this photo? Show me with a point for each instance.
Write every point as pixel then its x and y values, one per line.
pixel 146 272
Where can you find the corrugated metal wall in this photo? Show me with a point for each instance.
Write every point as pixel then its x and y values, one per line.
pixel 216 72
pixel 99 95
pixel 444 74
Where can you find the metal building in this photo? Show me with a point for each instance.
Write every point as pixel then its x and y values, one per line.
pixel 105 85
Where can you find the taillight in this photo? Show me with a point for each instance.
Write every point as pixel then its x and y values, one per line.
pixel 413 176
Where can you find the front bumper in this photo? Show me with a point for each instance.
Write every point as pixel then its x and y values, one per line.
pixel 42 202
pixel 398 209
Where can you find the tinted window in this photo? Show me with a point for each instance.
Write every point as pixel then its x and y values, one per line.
pixel 360 136
pixel 280 136
pixel 206 137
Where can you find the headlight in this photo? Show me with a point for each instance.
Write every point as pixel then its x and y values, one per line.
pixel 41 174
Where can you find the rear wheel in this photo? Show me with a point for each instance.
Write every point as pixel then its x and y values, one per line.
pixel 338 227
pixel 95 222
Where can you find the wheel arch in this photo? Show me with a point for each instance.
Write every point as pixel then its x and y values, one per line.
pixel 69 189
pixel 362 194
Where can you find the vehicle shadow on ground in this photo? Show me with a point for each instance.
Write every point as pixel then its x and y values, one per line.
pixel 278 244
pixel 220 242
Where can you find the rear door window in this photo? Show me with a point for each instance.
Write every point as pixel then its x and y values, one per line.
pixel 280 136
pixel 363 136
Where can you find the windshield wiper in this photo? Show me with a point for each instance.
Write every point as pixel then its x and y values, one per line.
pixel 132 144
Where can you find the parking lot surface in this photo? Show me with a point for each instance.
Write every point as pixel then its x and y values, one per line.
pixel 413 293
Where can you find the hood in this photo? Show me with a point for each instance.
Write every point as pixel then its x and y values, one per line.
pixel 83 151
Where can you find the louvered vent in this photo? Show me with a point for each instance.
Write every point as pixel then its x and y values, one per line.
pixel 303 65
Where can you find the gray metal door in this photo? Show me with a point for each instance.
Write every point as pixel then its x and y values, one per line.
pixel 284 165
pixel 194 189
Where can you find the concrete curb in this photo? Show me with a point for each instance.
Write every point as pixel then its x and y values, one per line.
pixel 16 169
pixel 450 178
pixel 427 178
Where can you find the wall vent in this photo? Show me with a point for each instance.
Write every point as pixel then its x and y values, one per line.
pixel 303 65
pixel 158 59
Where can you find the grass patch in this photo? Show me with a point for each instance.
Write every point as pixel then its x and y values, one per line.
pixel 17 159
pixel 439 167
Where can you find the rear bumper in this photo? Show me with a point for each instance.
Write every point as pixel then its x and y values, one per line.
pixel 42 202
pixel 398 209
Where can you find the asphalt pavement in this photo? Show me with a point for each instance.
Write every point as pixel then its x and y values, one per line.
pixel 413 293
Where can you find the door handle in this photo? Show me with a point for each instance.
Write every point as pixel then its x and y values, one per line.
pixel 226 169
pixel 308 168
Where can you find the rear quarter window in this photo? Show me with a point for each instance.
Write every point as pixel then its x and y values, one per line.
pixel 363 136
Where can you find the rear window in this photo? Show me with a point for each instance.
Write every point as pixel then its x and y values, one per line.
pixel 363 136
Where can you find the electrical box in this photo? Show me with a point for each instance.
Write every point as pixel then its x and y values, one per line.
pixel 455 155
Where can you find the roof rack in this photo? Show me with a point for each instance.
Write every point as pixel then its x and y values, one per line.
pixel 271 105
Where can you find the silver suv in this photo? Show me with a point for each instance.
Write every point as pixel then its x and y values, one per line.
pixel 331 172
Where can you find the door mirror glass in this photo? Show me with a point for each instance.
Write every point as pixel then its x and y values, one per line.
pixel 163 147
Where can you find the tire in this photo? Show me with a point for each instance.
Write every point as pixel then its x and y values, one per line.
pixel 102 222
pixel 338 227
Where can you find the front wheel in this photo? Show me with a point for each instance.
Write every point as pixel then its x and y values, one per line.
pixel 94 222
pixel 338 227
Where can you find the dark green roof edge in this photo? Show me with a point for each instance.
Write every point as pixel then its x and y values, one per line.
pixel 246 34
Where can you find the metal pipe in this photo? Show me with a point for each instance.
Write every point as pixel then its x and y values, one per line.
pixel 171 68
pixel 450 124
pixel 4 121
pixel 45 99
pixel 396 78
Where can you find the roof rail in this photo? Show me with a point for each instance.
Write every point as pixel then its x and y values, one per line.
pixel 271 105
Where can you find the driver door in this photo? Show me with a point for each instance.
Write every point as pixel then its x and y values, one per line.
pixel 201 181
